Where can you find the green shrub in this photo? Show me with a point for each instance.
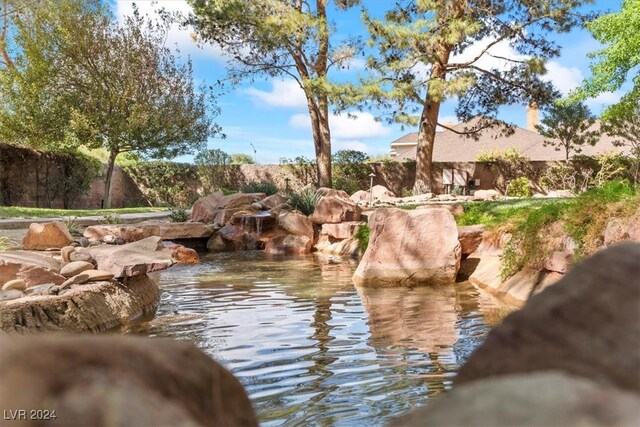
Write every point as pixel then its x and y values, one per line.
pixel 519 187
pixel 350 172
pixel 111 218
pixel 507 165
pixel 267 187
pixel 166 183
pixel 179 215
pixel 588 214
pixel 362 235
pixel 6 243
pixel 305 201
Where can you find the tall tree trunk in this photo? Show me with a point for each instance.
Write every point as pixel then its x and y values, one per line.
pixel 424 151
pixel 319 115
pixel 107 182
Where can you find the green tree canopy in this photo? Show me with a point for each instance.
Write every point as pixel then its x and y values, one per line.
pixel 242 159
pixel 429 51
pixel 115 86
pixel 569 125
pixel 618 61
pixel 287 38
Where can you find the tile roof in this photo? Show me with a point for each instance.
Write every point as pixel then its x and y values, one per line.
pixel 452 147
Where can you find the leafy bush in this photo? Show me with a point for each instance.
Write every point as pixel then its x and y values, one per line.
pixel 6 243
pixel 362 235
pixel 305 201
pixel 111 218
pixel 267 187
pixel 302 168
pixel 507 165
pixel 519 187
pixel 350 172
pixel 166 183
pixel 588 214
pixel 73 226
pixel 179 215
pixel 583 172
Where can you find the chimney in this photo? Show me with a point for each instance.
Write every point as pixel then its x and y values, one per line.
pixel 532 116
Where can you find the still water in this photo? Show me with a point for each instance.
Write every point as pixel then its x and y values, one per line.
pixel 309 347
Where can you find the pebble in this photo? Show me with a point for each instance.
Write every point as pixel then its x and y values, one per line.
pixel 120 241
pixel 75 280
pixel 109 239
pixel 66 253
pixel 16 284
pixel 84 242
pixel 95 243
pixel 75 268
pixel 40 289
pixel 10 294
pixel 81 256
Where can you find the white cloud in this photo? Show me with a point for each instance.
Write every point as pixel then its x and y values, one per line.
pixel 340 144
pixel 362 126
pixel 565 79
pixel 603 100
pixel 284 93
pixel 180 37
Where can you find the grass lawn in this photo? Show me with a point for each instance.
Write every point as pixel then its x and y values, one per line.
pixel 22 212
pixel 492 213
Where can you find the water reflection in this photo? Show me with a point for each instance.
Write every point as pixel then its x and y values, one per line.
pixel 308 346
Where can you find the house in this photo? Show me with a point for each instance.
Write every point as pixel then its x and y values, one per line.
pixel 455 155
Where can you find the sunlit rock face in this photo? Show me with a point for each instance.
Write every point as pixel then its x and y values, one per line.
pixel 117 381
pixel 410 248
pixel 588 324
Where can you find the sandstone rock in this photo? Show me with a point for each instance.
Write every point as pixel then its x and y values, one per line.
pixel 279 209
pixel 288 244
pixel 80 256
pixel 344 247
pixel 75 267
pixel 45 236
pixel 486 195
pixel 231 238
pixel 559 261
pixel 135 232
pixel 183 255
pixel 257 206
pixel 16 284
pixel 78 279
pixel 332 210
pixel 296 223
pixel 622 229
pixel 382 193
pixel 66 252
pixel 98 275
pixel 541 399
pixel 330 192
pixel 343 230
pixel 33 268
pixel 141 257
pixel 410 248
pixel 121 380
pixel 271 202
pixel 92 307
pixel 219 208
pixel 587 325
pixel 360 196
pixel 470 237
pixel 10 294
pixel 40 289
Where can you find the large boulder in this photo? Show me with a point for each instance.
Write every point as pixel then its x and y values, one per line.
pixel 331 192
pixel 541 399
pixel 45 236
pixel 588 324
pixel 410 248
pixel 288 244
pixel 131 259
pixel 332 210
pixel 135 232
pixel 218 208
pixel 34 268
pixel 119 381
pixel 231 238
pixel 274 200
pixel 91 307
pixel 343 230
pixel 296 223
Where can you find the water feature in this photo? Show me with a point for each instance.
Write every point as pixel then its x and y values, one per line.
pixel 312 349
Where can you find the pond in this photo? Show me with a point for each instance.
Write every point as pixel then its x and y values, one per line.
pixel 309 347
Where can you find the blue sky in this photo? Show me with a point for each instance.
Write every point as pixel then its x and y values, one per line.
pixel 270 115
